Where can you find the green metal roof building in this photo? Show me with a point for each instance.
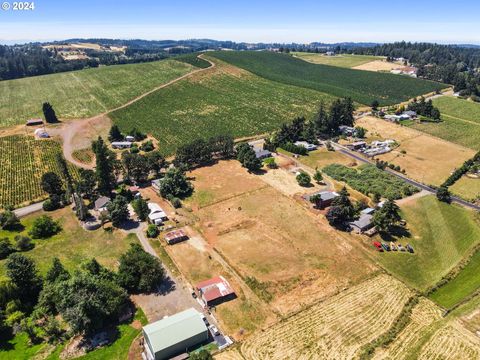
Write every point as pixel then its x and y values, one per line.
pixel 174 335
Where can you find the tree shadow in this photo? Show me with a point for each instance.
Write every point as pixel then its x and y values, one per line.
pixel 5 338
pixel 396 232
pixel 167 286
pixel 15 227
pixel 130 225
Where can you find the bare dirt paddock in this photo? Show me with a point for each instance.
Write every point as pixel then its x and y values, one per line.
pixel 426 158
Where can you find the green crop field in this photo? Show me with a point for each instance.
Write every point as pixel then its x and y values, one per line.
pixel 342 60
pixel 362 86
pixel 194 60
pixel 441 235
pixel 223 100
pixel 460 125
pixel 84 93
pixel 464 284
pixel 23 161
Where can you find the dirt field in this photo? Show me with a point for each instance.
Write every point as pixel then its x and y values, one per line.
pixel 377 65
pixel 293 254
pixel 336 328
pixel 426 159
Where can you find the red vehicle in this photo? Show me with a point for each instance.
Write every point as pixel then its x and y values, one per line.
pixel 378 246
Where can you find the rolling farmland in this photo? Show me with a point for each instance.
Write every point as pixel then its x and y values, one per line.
pixel 84 93
pixel 460 125
pixel 362 86
pixel 336 328
pixel 222 100
pixel 21 179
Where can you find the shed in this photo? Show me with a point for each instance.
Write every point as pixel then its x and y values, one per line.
pixel 214 291
pixel 156 184
pixel 262 154
pixel 368 211
pixel 175 236
pixel 129 138
pixel 357 145
pixel 323 198
pixel 174 335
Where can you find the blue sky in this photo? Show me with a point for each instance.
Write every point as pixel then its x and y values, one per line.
pixel 300 21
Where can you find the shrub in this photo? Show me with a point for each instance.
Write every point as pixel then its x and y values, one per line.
pixel 24 243
pixel 152 231
pixel 6 248
pixel 270 163
pixel 176 202
pixel 49 205
pixel 147 146
pixel 303 179
pixel 300 150
pixel 44 227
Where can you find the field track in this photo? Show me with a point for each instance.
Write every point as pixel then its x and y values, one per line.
pixel 336 328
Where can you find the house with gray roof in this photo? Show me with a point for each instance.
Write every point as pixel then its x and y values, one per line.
pixel 363 223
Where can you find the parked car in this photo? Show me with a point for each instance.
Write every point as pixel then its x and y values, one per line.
pixel 214 330
pixel 393 247
pixel 401 248
pixel 378 246
pixel 385 246
pixel 194 294
pixel 410 248
pixel 205 320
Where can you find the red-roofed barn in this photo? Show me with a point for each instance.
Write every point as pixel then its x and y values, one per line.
pixel 215 291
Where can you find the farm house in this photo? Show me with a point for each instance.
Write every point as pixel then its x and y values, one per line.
pixel 174 335
pixel 363 224
pixel 215 291
pixel 101 204
pixel 323 198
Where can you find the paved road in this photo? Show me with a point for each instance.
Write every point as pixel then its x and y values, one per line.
pixel 27 210
pixel 360 158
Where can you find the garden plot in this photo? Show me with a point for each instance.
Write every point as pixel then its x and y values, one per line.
pixel 336 328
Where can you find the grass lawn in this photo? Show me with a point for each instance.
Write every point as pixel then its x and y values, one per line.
pixel 466 187
pixel 83 93
pixel 464 284
pixel 223 100
pixel 322 157
pixel 73 244
pixel 342 60
pixel 18 347
pixel 441 234
pixel 461 122
pixel 362 86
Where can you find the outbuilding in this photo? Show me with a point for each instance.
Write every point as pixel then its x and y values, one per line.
pixel 215 291
pixel 175 236
pixel 323 198
pixel 101 203
pixel 121 144
pixel 156 216
pixel 174 335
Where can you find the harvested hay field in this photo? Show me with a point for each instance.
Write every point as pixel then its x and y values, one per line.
pixel 335 328
pixel 426 159
pixel 322 157
pixel 341 60
pixel 406 344
pixel 292 256
pixel 452 341
pixel 378 65
pixel 230 354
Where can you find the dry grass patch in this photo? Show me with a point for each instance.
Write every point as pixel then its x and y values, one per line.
pixel 467 187
pixel 426 159
pixel 221 181
pixel 237 317
pixel 336 328
pixel 378 65
pixel 322 157
pixel 293 254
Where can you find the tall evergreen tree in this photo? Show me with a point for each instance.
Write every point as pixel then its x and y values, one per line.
pixel 104 170
pixel 49 113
